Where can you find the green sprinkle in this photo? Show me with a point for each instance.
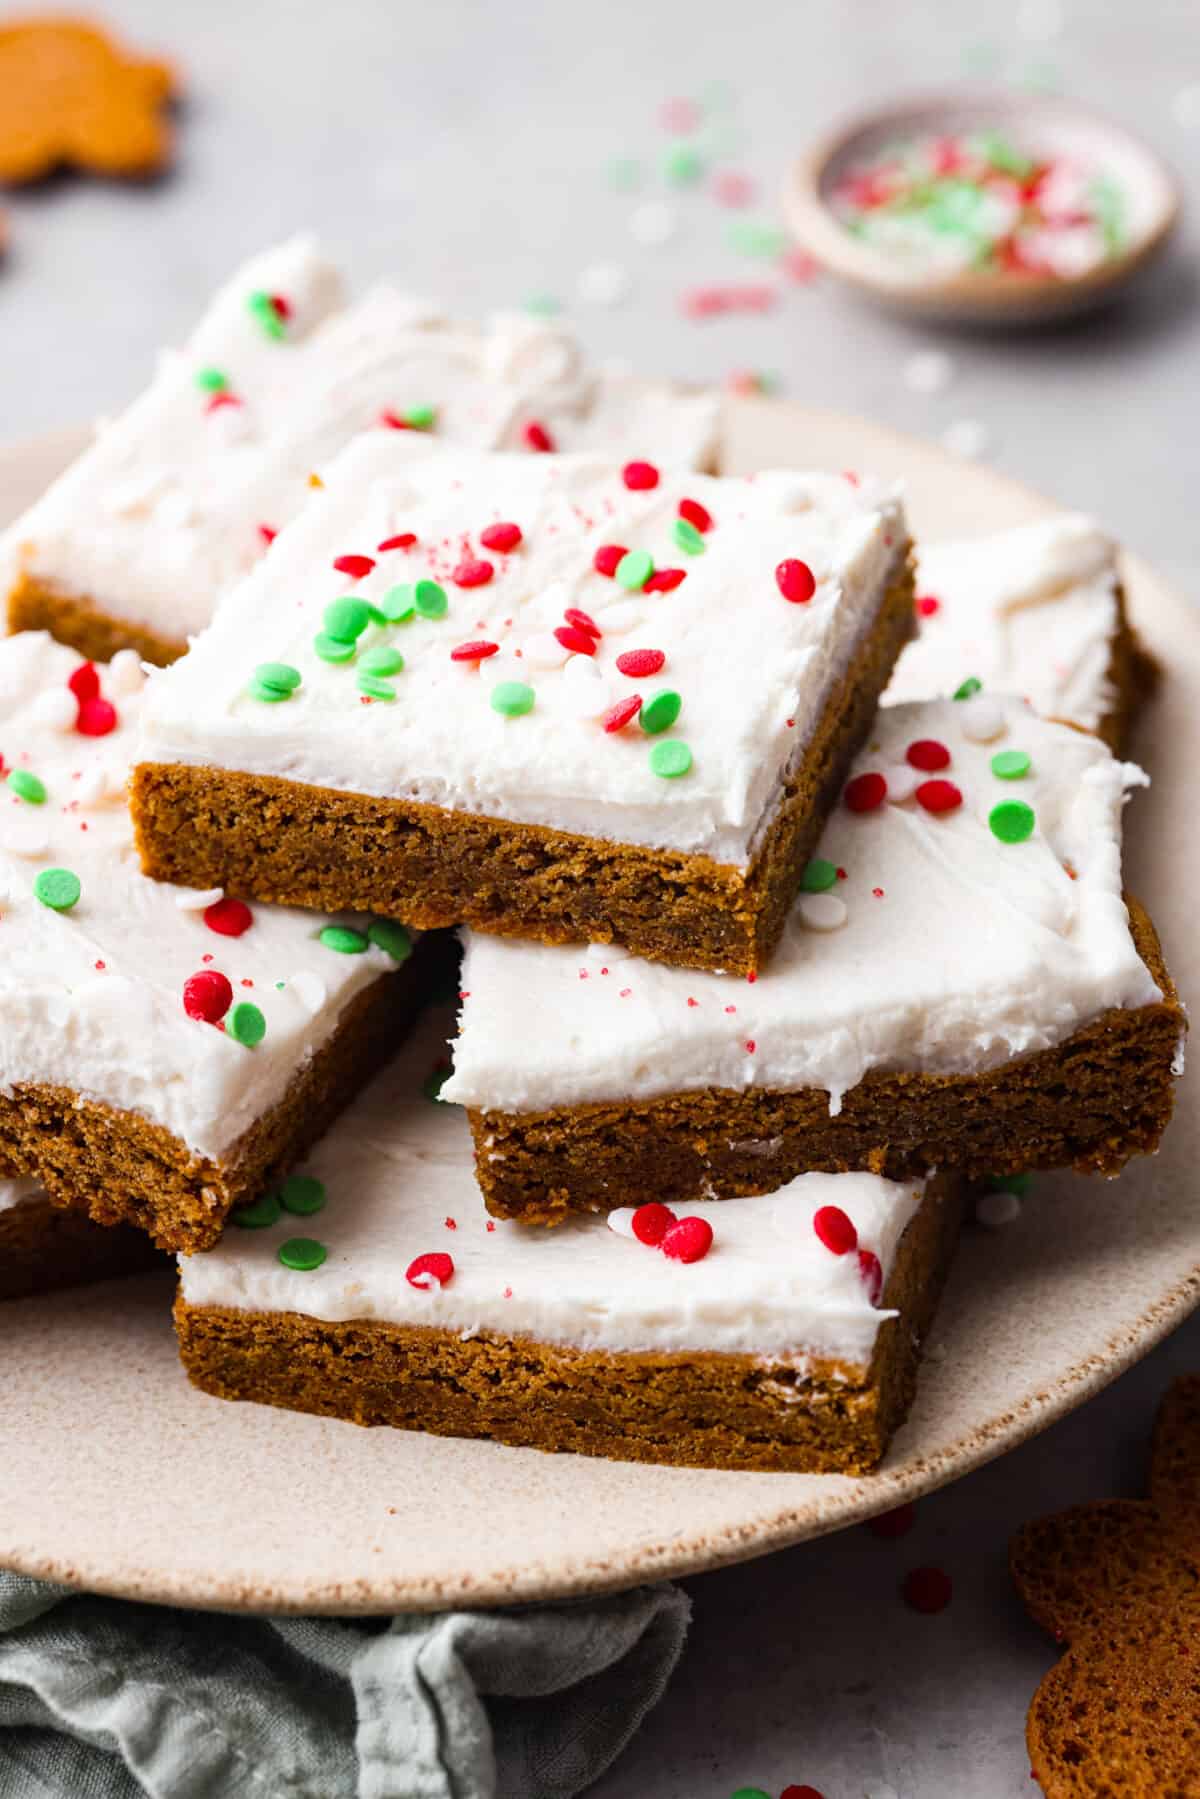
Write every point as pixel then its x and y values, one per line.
pixel 670 758
pixel 682 165
pixel 57 888
pixel 434 1081
pixel 971 685
pixel 333 649
pixel 26 786
pixel 263 308
pixel 302 1253
pixel 430 599
pixel 1010 765
pixel 245 1024
pixel 375 687
pixel 347 618
pixel 387 935
pixel 420 418
pixel 343 939
pixel 256 1216
pixel 398 605
pixel 512 698
pixel 819 876
pixel 1010 1183
pixel 275 681
pixel 660 712
pixel 750 1793
pixel 302 1194
pixel 751 237
pixel 382 660
pixel 1012 821
pixel 211 381
pixel 688 538
pixel 634 569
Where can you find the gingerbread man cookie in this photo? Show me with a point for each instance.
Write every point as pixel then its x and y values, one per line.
pixel 70 96
pixel 1119 1583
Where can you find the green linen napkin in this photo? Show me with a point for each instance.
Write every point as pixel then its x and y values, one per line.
pixel 107 1699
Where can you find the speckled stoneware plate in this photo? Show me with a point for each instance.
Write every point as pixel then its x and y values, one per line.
pixel 115 1475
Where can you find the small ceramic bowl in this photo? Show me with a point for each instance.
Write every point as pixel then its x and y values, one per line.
pixel 1045 125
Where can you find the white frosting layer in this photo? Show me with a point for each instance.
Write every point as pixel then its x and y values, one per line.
pixel 163 513
pixel 91 998
pixel 15 1193
pixel 1031 611
pixel 398 1170
pixel 753 671
pixel 956 951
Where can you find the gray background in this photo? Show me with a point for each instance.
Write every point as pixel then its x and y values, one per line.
pixel 464 147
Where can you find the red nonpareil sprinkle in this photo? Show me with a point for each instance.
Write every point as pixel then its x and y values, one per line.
pixel 938 796
pixel 228 917
pixel 872 1274
pixel 503 537
pixel 927 605
pixel 451 1224
pixel 795 580
pixel 393 421
pixel 578 642
pixel 623 713
pixel 478 651
pixel 207 996
pixel 651 1223
pixel 474 572
pixel 354 566
pixel 927 754
pixel 537 437
pixel 637 663
pixel 927 1590
pixel 688 1241
pixel 835 1229
pixel 583 621
pixel 697 515
pixel 639 477
pixel 84 682
pixel 430 1272
pixel 268 533
pixel 96 718
pixel 664 580
pixel 800 266
pixel 878 892
pixel 281 306
pixel 751 1045
pixel 221 398
pixel 865 792
pixel 607 557
pixel 896 1523
pixel 403 540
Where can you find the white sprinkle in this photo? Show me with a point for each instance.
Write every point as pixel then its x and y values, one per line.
pixel 1186 106
pixel 653 223
pixel 822 911
pixel 23 835
pixel 982 718
pixel 309 989
pixel 995 1210
pixel 928 371
pixel 967 437
pixel 197 899
pixel 544 651
pixel 125 673
pixel 57 709
pixel 603 284
pixel 616 620
pixel 902 782
pixel 1040 20
pixel 621 1221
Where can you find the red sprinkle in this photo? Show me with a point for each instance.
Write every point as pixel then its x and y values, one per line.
pixel 537 437
pixel 228 917
pixel 96 718
pixel 835 1230
pixel 927 754
pixel 696 514
pixel 795 580
pixel 207 996
pixel 607 557
pixel 354 566
pixel 500 537
pixel 584 621
pixel 430 1271
pixel 268 533
pixel 938 796
pixel 639 477
pixel 805 1792
pixel 652 1222
pixel 865 792
pixel 403 540
pixel 578 642
pixel 473 652
pixel 474 572
pixel 221 398
pixel 927 1590
pixel 688 1241
pixel 281 306
pixel 84 682
pixel 896 1523
pixel 664 580
pixel 637 663
pixel 393 421
pixel 622 713
pixel 926 605
pixel 872 1273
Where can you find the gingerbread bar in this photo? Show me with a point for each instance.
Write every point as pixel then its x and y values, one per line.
pixel 960 985
pixel 550 698
pixel 780 1333
pixel 43 1247
pixel 1037 611
pixel 182 495
pixel 161 1052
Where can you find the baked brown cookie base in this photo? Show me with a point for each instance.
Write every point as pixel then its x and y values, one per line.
pixel 1091 1103
pixel 1133 674
pixel 265 838
pixel 82 625
pixel 119 1168
pixel 690 1409
pixel 43 1248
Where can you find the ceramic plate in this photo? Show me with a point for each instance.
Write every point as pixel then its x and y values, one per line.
pixel 115 1475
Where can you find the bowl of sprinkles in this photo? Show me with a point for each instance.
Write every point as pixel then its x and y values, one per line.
pixel 984 207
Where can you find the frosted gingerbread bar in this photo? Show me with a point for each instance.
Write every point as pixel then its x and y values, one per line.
pixel 44 1247
pixel 780 1333
pixel 1037 611
pixel 161 1052
pixel 557 698
pixel 960 984
pixel 182 495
